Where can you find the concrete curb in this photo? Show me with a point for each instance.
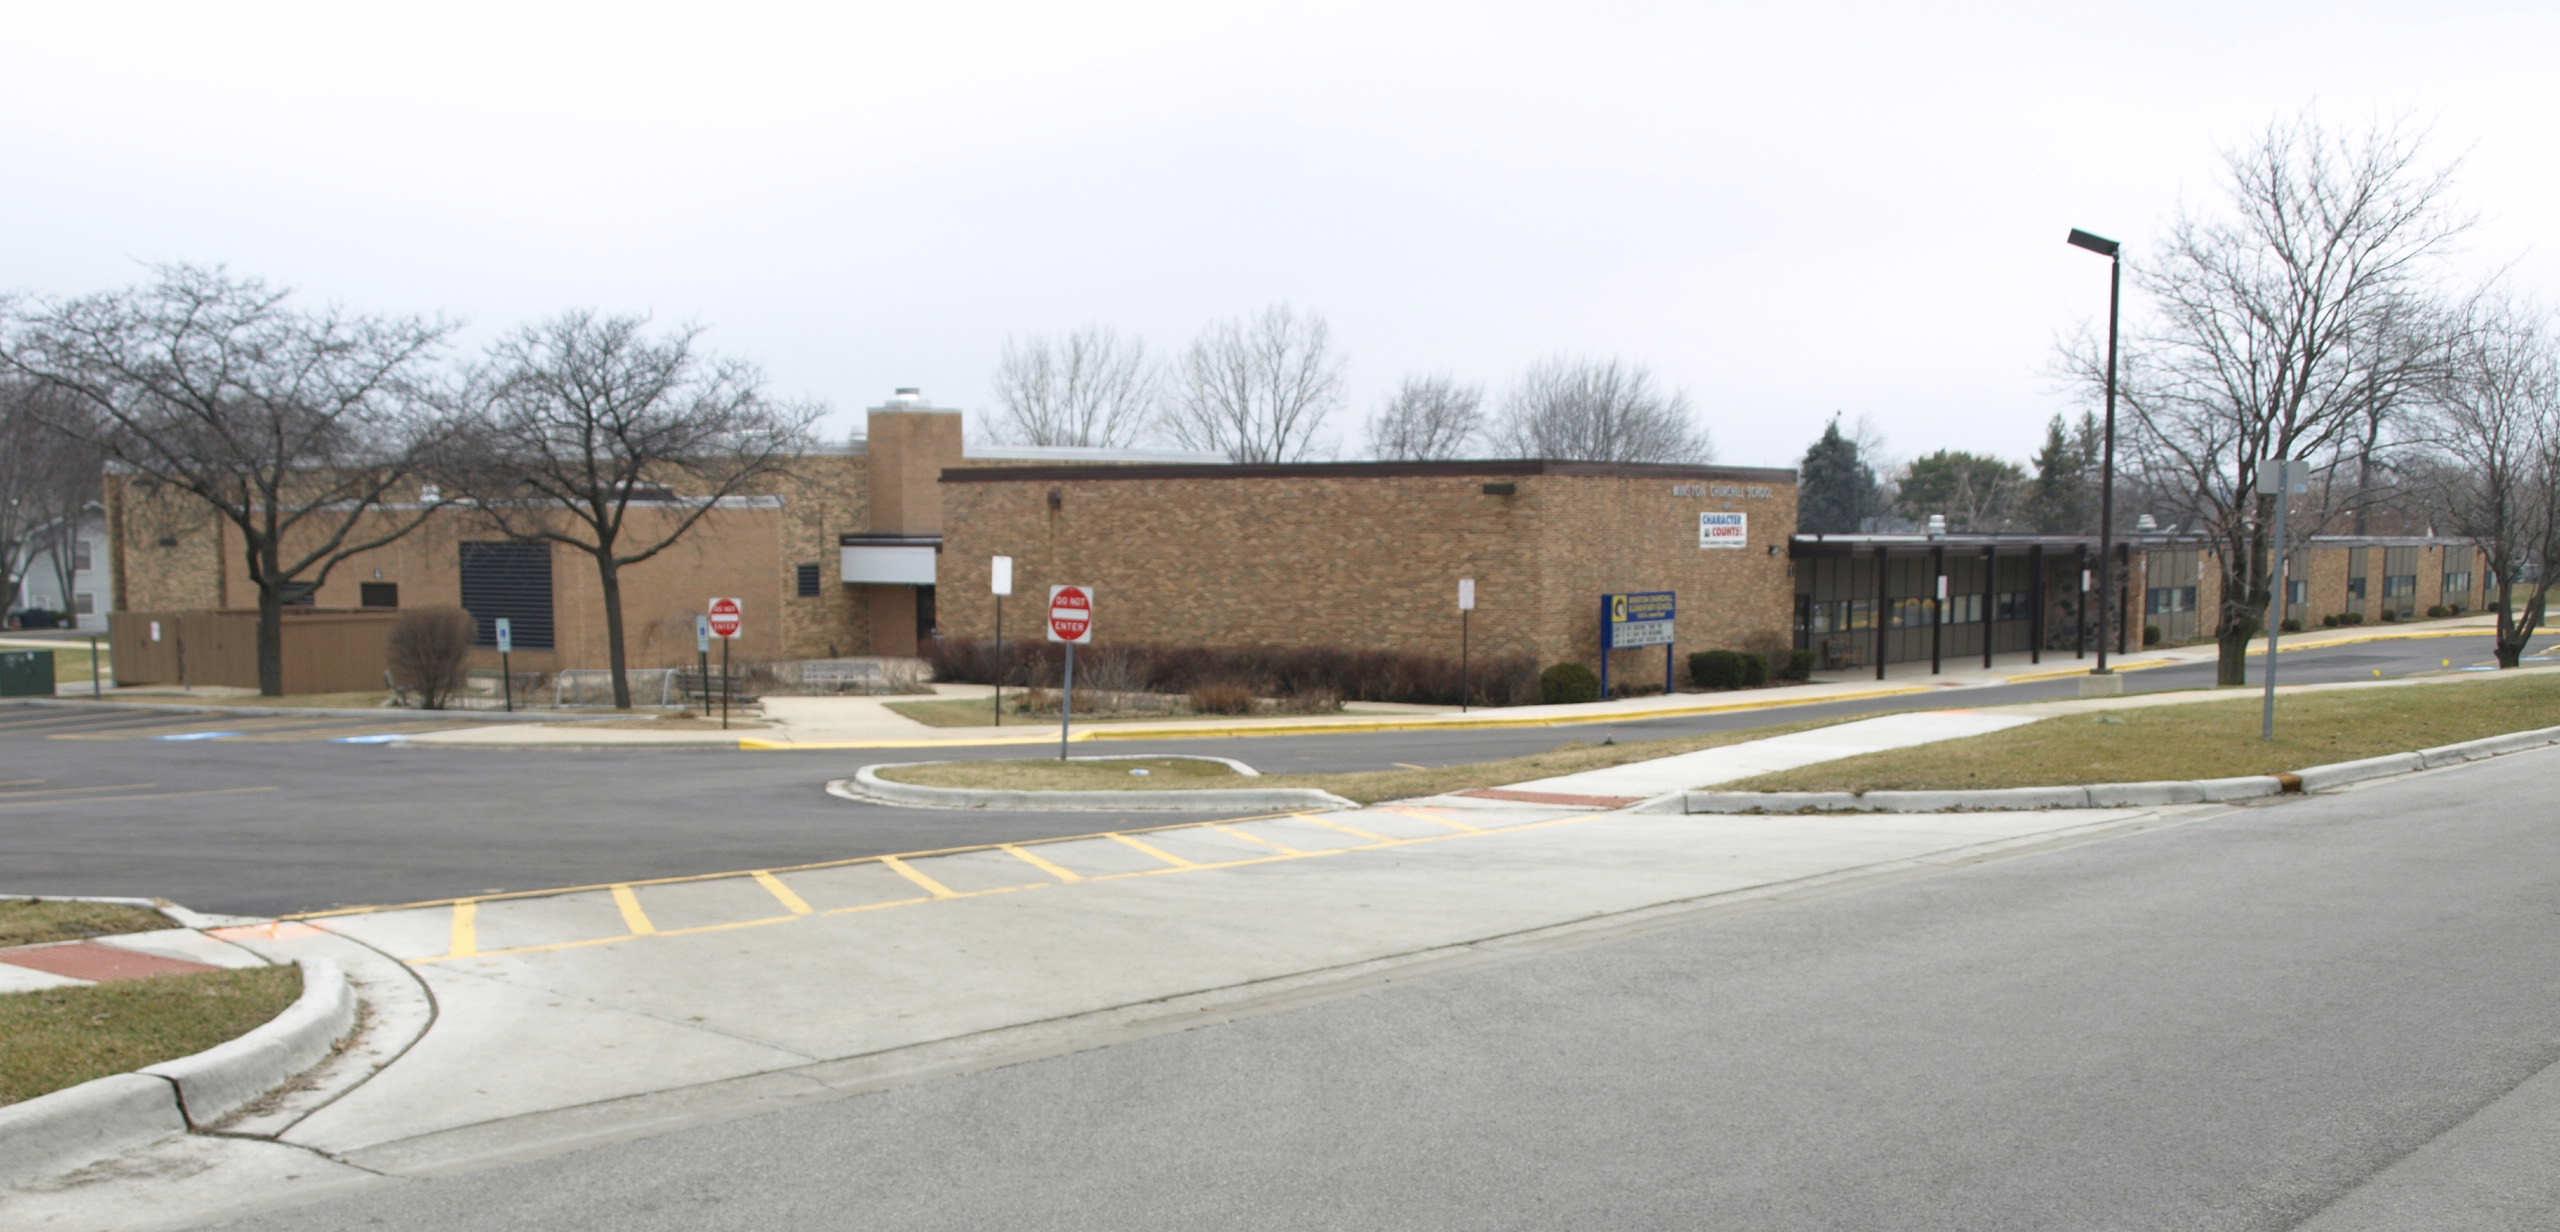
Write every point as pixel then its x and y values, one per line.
pixel 225 1078
pixel 2105 795
pixel 867 786
pixel 65 1129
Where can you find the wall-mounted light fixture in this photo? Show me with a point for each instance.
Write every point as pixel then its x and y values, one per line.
pixel 1057 499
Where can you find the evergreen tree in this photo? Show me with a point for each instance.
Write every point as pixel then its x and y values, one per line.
pixel 1837 489
pixel 2058 497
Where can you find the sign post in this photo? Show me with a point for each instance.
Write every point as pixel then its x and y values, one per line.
pixel 1070 622
pixel 1466 606
pixel 506 661
pixel 1637 618
pixel 702 652
pixel 1002 583
pixel 727 618
pixel 95 689
pixel 2287 476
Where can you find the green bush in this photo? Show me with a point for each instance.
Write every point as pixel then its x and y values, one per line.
pixel 2329 621
pixel 1799 666
pixel 2453 609
pixel 1566 683
pixel 1716 669
pixel 2439 612
pixel 2290 625
pixel 2390 615
pixel 2350 618
pixel 2150 635
pixel 1755 671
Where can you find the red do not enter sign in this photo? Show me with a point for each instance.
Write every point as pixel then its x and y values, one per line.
pixel 727 617
pixel 1071 614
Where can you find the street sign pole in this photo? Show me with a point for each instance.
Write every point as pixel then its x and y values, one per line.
pixel 1466 608
pixel 1605 647
pixel 506 661
pixel 1000 578
pixel 702 652
pixel 95 688
pixel 1070 621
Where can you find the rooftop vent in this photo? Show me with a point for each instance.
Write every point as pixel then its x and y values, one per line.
pixel 1937 526
pixel 907 395
pixel 2146 525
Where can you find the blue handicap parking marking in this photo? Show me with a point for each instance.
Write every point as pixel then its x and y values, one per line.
pixel 384 738
pixel 201 735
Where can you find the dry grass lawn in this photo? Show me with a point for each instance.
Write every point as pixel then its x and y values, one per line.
pixel 30 921
pixel 981 712
pixel 1371 786
pixel 61 1037
pixel 2203 740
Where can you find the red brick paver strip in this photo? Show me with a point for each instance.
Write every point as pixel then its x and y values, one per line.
pixel 88 960
pixel 1552 797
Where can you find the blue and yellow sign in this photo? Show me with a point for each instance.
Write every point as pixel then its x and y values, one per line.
pixel 1638 618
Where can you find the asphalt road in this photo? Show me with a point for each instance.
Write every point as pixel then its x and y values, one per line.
pixel 2292 1012
pixel 267 828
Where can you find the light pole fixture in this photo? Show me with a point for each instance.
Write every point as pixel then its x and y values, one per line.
pixel 2107 470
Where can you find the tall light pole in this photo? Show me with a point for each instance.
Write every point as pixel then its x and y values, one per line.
pixel 2107 472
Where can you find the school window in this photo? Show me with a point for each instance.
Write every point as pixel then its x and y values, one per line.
pixel 2399 586
pixel 2015 605
pixel 2457 585
pixel 80 556
pixel 808 580
pixel 2355 588
pixel 379 594
pixel 84 604
pixel 2297 593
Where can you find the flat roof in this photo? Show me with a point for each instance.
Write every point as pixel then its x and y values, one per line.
pixel 1376 470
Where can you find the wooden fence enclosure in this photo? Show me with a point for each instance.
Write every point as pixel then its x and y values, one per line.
pixel 326 650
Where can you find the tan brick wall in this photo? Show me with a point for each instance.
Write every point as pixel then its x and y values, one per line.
pixel 1364 561
pixel 909 450
pixel 730 552
pixel 824 497
pixel 167 549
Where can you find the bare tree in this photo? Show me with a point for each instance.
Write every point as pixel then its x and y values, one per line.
pixel 1599 411
pixel 1256 388
pixel 2277 320
pixel 2496 472
pixel 570 423
pixel 48 477
pixel 1428 417
pixel 292 426
pixel 1092 387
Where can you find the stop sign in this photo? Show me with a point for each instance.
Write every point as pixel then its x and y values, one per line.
pixel 1071 614
pixel 726 617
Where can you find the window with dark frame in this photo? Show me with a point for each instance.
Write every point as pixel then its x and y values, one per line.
pixel 808 581
pixel 379 594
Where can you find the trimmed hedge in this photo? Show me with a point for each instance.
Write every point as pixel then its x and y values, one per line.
pixel 1566 684
pixel 1268 671
pixel 1716 669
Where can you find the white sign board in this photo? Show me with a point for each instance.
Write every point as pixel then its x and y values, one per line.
pixel 1002 575
pixel 1071 614
pixel 155 630
pixel 1724 530
pixel 1466 594
pixel 701 634
pixel 506 636
pixel 1942 588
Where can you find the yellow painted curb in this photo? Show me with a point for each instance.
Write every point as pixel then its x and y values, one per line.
pixel 2068 672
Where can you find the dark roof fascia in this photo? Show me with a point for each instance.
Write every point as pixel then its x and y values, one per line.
pixel 1858 545
pixel 1370 470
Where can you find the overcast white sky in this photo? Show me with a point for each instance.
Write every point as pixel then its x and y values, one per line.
pixel 1787 209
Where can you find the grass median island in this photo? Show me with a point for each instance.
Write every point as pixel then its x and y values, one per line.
pixel 1036 774
pixel 61 1037
pixel 30 921
pixel 1364 786
pixel 2203 740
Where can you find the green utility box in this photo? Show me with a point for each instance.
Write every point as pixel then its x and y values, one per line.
pixel 26 673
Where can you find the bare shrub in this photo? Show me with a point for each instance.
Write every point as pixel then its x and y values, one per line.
pixel 428 649
pixel 1222 697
